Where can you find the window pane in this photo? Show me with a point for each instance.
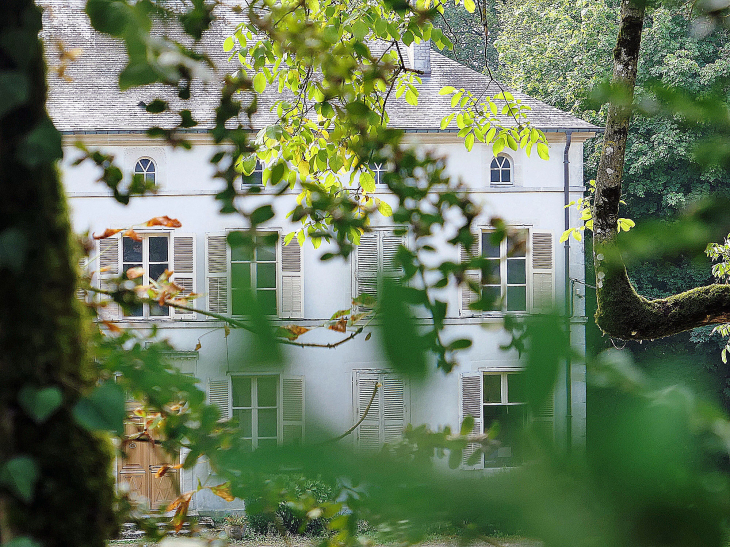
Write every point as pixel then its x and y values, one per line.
pixel 241 253
pixel 136 311
pixel 241 390
pixel 492 296
pixel 267 390
pixel 267 301
pixel 126 267
pixel 492 388
pixel 267 443
pixel 156 270
pixel 145 163
pixel 517 244
pixel 245 422
pixel 516 271
pixel 131 250
pixel 506 176
pixel 490 272
pixel 267 422
pixel 240 299
pixel 495 175
pixel 266 276
pixel 266 253
pixel 240 275
pixel 488 249
pixel 150 177
pixel 158 249
pixel 517 298
pixel 516 388
pixel 159 311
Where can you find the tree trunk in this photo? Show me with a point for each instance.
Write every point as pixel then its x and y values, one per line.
pixel 43 332
pixel 622 313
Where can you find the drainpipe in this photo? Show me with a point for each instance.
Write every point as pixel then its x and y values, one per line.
pixel 568 306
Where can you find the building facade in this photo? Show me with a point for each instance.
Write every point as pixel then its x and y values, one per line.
pixel 318 393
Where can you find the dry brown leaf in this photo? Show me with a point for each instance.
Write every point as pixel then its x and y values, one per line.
pixel 112 327
pixel 132 234
pixel 226 330
pixel 223 491
pixel 340 326
pixel 134 273
pixel 164 221
pixel 296 329
pixel 109 232
pixel 198 346
pixel 162 470
pixel 181 504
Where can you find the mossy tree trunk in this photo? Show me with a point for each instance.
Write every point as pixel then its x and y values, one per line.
pixel 42 328
pixel 622 313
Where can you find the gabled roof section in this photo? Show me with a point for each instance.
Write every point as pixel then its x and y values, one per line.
pixel 86 98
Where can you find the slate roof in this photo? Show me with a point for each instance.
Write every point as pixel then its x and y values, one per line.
pixel 92 102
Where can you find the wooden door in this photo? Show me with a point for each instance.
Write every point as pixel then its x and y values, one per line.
pixel 139 465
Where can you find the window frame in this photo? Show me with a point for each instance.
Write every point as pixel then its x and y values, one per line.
pixel 255 407
pixel 253 275
pixel 502 451
pixel 146 172
pixel 504 259
pixel 257 176
pixel 500 169
pixel 146 278
pixel 382 271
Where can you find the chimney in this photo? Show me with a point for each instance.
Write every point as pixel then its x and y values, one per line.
pixel 420 57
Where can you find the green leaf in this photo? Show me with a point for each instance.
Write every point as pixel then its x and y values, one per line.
pixel 467 425
pixel 447 90
pixel 367 182
pixel 498 145
pixel 23 541
pixel 462 343
pixel 259 82
pixel 228 44
pixel 262 214
pixel 385 209
pixel 411 98
pixel 39 404
pixel 470 6
pixel 41 145
pixel 403 345
pixel 13 89
pixel 543 150
pixel 469 141
pixel 102 409
pixel 20 474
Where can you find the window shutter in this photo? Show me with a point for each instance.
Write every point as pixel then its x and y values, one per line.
pixel 389 247
pixel 183 267
pixel 291 286
pixel 368 432
pixel 82 273
pixel 109 266
pixel 543 272
pixel 366 266
pixel 217 260
pixel 394 408
pixel 470 404
pixel 542 418
pixel 468 296
pixel 292 409
pixel 219 394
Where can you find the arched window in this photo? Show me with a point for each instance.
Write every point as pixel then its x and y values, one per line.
pixel 501 170
pixel 378 170
pixel 146 168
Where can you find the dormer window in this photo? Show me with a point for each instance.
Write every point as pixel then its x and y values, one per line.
pixel 256 178
pixel 501 170
pixel 378 169
pixel 146 168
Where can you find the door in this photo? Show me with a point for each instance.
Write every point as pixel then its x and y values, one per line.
pixel 138 469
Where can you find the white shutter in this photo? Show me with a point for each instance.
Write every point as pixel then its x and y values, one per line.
pixel 366 266
pixel 183 267
pixel 543 417
pixel 394 408
pixel 543 272
pixel 468 296
pixel 389 245
pixel 292 409
pixel 219 394
pixel 217 261
pixel 369 431
pixel 470 404
pixel 109 270
pixel 82 274
pixel 291 285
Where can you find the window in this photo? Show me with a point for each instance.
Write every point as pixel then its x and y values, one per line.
pixel 272 272
pixel 254 270
pixel 374 259
pixel 501 170
pixel 269 409
pixel 378 170
pixel 387 416
pixel 256 178
pixel 146 168
pixel 153 252
pixel 497 399
pixel 517 275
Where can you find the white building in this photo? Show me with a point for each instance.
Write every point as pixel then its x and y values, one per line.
pixel 319 392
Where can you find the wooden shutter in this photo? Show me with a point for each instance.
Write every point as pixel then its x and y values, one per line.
pixel 470 404
pixel 183 267
pixel 468 296
pixel 368 432
pixel 217 260
pixel 109 270
pixel 292 409
pixel 366 266
pixel 291 284
pixel 394 407
pixel 543 272
pixel 219 394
